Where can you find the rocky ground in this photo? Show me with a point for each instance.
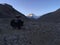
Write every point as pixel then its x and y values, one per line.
pixel 32 33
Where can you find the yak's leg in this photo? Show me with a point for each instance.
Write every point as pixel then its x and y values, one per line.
pixel 18 27
pixel 15 26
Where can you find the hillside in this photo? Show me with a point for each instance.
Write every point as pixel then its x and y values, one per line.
pixel 32 33
pixel 51 17
pixel 7 11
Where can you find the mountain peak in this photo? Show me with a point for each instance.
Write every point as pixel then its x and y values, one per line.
pixel 32 16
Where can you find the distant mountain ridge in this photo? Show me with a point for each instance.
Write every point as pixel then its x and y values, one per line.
pixel 32 16
pixel 51 17
pixel 7 11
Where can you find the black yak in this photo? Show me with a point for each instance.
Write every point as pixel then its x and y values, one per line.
pixel 16 23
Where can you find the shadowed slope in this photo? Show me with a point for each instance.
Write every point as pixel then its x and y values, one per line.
pixel 51 17
pixel 7 11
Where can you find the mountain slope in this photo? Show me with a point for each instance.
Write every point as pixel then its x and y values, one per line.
pixel 32 33
pixel 51 17
pixel 7 11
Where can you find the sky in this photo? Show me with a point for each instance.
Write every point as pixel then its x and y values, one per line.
pixel 37 7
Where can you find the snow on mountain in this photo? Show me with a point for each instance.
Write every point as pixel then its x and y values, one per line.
pixel 32 16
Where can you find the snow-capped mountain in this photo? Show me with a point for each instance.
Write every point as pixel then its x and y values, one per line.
pixel 32 16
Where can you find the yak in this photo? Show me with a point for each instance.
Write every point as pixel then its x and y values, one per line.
pixel 16 23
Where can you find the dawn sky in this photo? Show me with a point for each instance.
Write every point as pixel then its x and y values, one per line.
pixel 37 7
